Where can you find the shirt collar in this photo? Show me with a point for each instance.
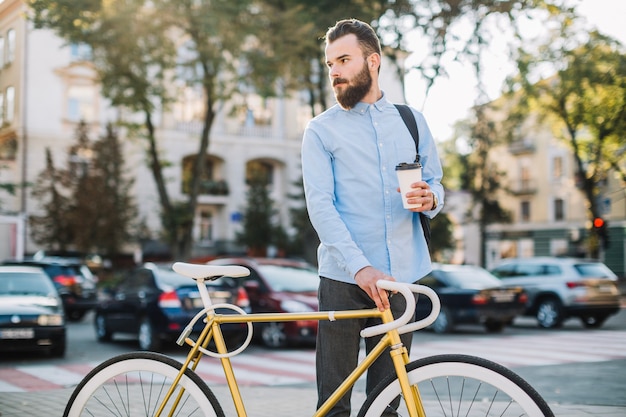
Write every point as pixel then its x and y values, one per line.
pixel 362 108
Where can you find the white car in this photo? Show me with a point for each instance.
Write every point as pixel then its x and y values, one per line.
pixel 559 288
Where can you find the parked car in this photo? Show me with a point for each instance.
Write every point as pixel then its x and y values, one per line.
pixel 31 312
pixel 280 286
pixel 559 288
pixel 155 303
pixel 470 295
pixel 74 281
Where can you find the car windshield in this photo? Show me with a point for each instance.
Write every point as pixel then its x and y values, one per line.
pixel 594 271
pixel 290 279
pixel 471 278
pixel 25 283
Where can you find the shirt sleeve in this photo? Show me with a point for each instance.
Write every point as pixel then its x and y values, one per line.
pixel 432 171
pixel 319 188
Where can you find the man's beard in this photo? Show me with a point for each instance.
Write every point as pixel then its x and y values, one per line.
pixel 352 94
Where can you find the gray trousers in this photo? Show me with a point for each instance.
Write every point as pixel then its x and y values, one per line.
pixel 338 342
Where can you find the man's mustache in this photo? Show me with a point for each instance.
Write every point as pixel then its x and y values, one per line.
pixel 339 80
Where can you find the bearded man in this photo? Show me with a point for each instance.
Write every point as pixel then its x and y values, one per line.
pixel 349 155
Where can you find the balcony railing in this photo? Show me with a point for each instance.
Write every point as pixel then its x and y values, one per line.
pixel 524 187
pixel 210 187
pixel 521 147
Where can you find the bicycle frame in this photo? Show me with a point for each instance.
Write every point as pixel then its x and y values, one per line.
pixel 390 329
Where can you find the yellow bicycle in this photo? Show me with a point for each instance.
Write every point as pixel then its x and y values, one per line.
pixel 152 384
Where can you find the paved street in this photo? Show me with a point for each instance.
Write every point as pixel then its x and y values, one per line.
pixel 580 372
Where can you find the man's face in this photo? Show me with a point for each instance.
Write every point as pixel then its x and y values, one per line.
pixel 348 71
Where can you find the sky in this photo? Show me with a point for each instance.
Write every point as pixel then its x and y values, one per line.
pixel 450 99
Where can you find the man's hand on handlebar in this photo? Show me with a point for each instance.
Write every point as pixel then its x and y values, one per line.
pixel 366 279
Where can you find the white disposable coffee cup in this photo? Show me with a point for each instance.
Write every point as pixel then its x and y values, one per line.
pixel 407 175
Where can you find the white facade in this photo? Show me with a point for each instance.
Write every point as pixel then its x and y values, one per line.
pixel 55 89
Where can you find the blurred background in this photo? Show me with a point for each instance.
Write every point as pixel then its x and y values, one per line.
pixel 135 131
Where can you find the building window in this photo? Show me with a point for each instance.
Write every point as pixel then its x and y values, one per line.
pixel 261 171
pixel 557 167
pixel 10 46
pixel 80 104
pixel 525 211
pixel 205 227
pixel 80 52
pixel 1 52
pixel 559 209
pixel 1 109
pixel 210 184
pixel 9 111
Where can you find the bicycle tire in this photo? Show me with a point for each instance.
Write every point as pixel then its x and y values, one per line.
pixel 134 384
pixel 460 385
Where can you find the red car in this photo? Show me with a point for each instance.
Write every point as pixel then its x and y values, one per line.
pixel 280 285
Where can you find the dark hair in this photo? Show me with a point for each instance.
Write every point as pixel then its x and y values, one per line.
pixel 368 40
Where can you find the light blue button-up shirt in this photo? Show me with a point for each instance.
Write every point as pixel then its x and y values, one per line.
pixel 348 166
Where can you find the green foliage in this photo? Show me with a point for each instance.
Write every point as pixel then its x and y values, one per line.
pixel 258 219
pixel 304 242
pixel 442 237
pixel 87 205
pixel 585 103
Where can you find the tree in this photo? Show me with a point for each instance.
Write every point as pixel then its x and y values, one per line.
pixel 258 227
pixel 585 102
pixel 142 49
pixel 304 243
pixel 52 230
pixel 442 238
pixel 480 175
pixel 87 206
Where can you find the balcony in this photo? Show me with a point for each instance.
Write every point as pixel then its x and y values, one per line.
pixel 521 147
pixel 523 187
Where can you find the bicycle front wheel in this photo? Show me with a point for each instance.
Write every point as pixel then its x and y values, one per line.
pixel 460 385
pixel 135 384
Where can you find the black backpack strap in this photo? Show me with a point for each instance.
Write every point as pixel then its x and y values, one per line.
pixel 409 120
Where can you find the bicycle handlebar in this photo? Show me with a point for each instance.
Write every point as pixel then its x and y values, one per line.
pixel 400 323
pixel 198 271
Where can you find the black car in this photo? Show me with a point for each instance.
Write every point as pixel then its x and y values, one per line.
pixel 31 312
pixel 73 280
pixel 470 295
pixel 155 303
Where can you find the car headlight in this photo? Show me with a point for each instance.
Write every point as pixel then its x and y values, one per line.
pixel 50 320
pixel 291 306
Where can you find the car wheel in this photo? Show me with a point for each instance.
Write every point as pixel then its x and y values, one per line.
pixel 593 322
pixel 549 313
pixel 443 323
pixel 273 335
pixel 148 338
pixel 494 326
pixel 103 334
pixel 75 315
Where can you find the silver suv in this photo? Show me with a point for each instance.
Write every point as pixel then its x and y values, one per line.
pixel 559 288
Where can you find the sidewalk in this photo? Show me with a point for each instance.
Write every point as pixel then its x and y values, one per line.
pixel 296 401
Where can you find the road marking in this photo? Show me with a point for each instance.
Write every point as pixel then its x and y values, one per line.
pixel 287 367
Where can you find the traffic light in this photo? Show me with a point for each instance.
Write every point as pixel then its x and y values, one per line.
pixel 600 227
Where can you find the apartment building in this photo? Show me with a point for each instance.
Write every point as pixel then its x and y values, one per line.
pixel 49 87
pixel 549 210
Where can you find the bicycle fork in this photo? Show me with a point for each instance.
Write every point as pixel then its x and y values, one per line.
pixel 400 359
